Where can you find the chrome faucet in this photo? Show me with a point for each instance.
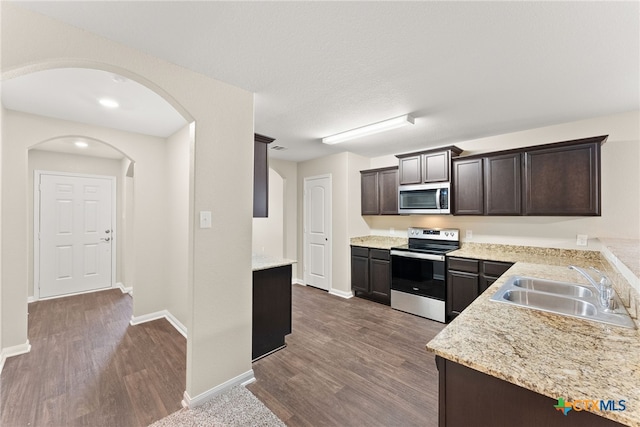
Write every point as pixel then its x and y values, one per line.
pixel 604 287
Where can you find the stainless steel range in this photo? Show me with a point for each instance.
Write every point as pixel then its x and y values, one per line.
pixel 418 273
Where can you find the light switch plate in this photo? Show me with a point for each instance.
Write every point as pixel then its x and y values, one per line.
pixel 205 219
pixel 582 240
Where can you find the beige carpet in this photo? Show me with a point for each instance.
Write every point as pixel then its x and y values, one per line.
pixel 237 407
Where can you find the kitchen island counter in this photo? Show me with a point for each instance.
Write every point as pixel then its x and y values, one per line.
pixel 265 262
pixel 552 355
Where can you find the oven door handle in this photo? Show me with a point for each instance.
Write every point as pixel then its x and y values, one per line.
pixel 417 255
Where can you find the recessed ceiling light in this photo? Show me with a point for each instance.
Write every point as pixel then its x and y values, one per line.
pixel 109 103
pixel 369 129
pixel 81 144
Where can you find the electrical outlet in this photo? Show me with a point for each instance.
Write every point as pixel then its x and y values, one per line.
pixel 469 234
pixel 582 240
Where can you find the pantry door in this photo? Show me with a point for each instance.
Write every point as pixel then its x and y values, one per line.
pixel 76 233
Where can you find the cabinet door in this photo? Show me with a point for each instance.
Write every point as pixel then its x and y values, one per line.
pixel 260 176
pixel 502 185
pixel 369 193
pixel 563 180
pixel 436 167
pixel 380 279
pixel 360 273
pixel 468 187
pixel 410 170
pixel 462 289
pixel 388 192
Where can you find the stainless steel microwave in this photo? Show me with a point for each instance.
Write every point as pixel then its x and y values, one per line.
pixel 424 198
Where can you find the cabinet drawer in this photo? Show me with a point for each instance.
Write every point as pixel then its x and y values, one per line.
pixel 380 254
pixel 494 268
pixel 359 251
pixel 462 264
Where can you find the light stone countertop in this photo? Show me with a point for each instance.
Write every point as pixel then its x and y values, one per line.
pixel 552 355
pixel 530 254
pixel 626 250
pixel 378 242
pixel 264 262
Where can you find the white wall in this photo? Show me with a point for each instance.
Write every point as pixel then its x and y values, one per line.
pixel 63 162
pixel 289 173
pixel 176 183
pixel 268 233
pixel 345 209
pixel 620 190
pixel 219 300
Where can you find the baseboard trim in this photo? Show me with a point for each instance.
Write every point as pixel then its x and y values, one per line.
pixel 341 294
pixel 31 299
pixel 295 281
pixel 15 350
pixel 242 379
pixel 124 289
pixel 163 314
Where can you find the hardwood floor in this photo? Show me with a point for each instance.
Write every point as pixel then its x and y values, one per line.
pixel 351 363
pixel 88 367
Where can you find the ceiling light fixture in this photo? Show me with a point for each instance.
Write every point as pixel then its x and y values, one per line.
pixel 109 103
pixel 81 144
pixel 369 129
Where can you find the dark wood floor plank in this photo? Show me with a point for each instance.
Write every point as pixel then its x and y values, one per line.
pixel 350 363
pixel 89 367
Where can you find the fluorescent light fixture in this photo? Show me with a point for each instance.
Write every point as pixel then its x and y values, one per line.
pixel 109 103
pixel 369 129
pixel 81 144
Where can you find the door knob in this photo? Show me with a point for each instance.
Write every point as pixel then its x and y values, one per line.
pixel 106 239
pixel 107 231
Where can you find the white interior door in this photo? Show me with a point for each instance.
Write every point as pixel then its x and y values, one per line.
pixel 75 234
pixel 317 254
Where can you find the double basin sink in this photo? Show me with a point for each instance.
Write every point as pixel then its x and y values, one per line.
pixel 569 299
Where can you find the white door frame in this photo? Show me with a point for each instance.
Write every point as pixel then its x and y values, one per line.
pixel 305 214
pixel 36 224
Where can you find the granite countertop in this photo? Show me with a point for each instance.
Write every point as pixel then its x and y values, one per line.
pixel 531 254
pixel 264 262
pixel 626 250
pixel 378 242
pixel 552 355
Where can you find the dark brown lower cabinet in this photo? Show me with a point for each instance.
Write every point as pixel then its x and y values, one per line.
pixel 467 278
pixel 271 310
pixel 371 274
pixel 469 398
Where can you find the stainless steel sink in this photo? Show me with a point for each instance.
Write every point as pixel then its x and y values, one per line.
pixel 551 302
pixel 568 299
pixel 561 288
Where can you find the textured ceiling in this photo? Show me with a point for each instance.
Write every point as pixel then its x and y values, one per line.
pixel 464 70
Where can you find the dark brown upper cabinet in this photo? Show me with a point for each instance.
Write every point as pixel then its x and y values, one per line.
pixel 379 191
pixel 563 180
pixel 502 184
pixel 426 166
pixel 468 187
pixel 261 175
pixel 559 179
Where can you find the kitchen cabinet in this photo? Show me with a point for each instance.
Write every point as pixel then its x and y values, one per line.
pixel 484 398
pixel 271 310
pixel 426 166
pixel 468 187
pixel 553 179
pixel 261 175
pixel 467 278
pixel 502 184
pixel 371 273
pixel 563 180
pixel 379 191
